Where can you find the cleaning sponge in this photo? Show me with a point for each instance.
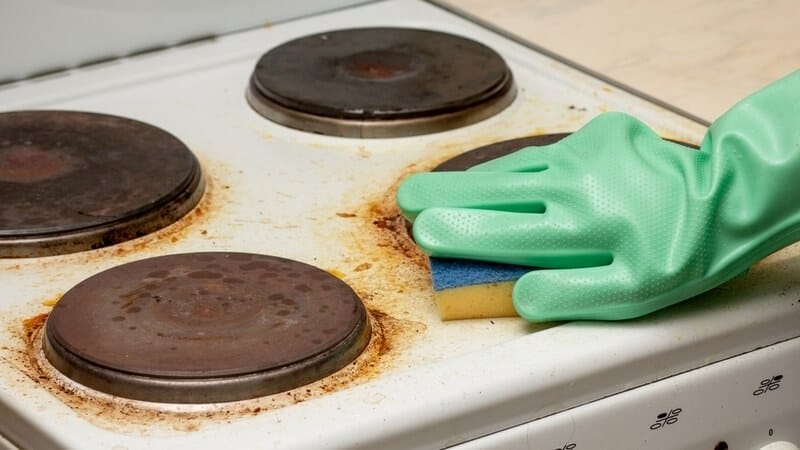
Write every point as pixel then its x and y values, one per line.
pixel 471 289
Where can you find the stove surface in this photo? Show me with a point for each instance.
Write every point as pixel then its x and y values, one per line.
pixel 329 202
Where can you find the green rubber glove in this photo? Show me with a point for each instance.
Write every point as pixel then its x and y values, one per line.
pixel 626 222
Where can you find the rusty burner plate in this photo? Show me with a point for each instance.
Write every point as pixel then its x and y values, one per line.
pixel 380 82
pixel 72 181
pixel 489 152
pixel 205 327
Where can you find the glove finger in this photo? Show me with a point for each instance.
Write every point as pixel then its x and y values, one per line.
pixel 526 159
pixel 608 130
pixel 540 240
pixel 595 293
pixel 483 190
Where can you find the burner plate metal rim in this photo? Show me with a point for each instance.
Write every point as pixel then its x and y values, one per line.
pixel 194 390
pixel 205 327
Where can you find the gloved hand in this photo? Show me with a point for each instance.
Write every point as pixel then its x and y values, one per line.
pixel 624 222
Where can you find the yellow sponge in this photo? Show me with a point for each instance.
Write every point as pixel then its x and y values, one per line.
pixel 476 301
pixel 473 289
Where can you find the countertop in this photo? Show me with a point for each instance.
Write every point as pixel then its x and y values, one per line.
pixel 700 56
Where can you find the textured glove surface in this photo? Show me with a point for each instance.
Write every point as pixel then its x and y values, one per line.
pixel 624 222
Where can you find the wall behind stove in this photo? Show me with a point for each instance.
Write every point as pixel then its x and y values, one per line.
pixel 700 55
pixel 38 36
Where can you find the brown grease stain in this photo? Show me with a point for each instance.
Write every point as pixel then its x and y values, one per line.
pixel 362 267
pixel 381 263
pixel 144 418
pixel 390 228
pixel 32 325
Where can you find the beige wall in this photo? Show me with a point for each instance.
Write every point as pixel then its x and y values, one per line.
pixel 701 56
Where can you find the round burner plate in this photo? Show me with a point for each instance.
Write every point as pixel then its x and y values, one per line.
pixel 492 151
pixel 205 327
pixel 380 82
pixel 72 181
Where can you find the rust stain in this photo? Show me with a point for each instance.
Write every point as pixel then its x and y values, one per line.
pixel 362 267
pixel 396 235
pixel 389 228
pixel 32 325
pixel 346 215
pixel 27 164
pixel 398 279
pixel 389 335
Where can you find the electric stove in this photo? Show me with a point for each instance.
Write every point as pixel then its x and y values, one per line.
pixel 200 248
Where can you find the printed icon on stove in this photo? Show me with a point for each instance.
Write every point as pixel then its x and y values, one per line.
pixel 768 384
pixel 664 419
pixel 570 446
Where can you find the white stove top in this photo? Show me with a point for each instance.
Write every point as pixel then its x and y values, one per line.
pixel 422 383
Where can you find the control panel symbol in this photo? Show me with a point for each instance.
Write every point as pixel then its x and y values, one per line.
pixel 665 419
pixel 769 384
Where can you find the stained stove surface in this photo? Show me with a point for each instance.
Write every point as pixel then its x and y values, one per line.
pixel 328 202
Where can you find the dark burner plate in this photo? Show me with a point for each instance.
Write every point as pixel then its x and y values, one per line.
pixel 72 181
pixel 205 327
pixel 489 152
pixel 380 82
